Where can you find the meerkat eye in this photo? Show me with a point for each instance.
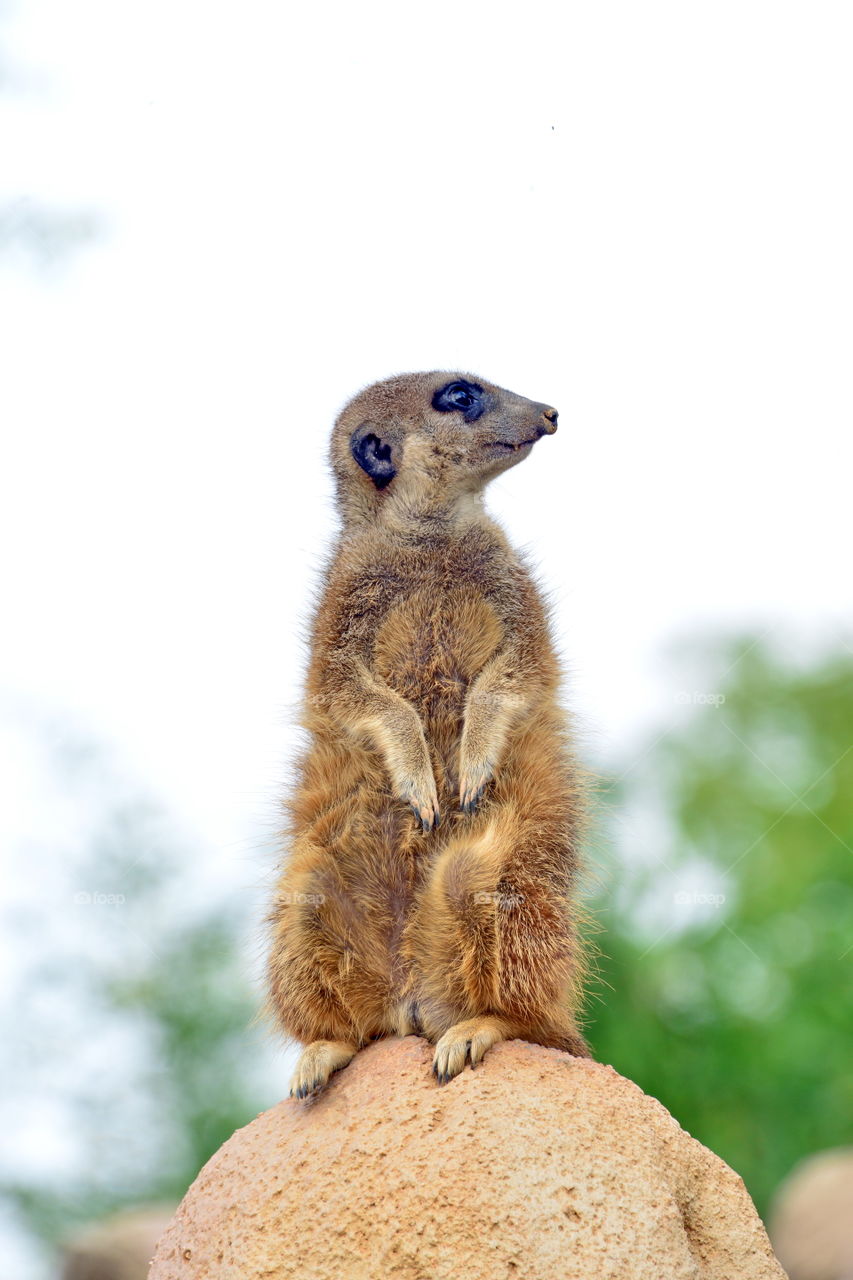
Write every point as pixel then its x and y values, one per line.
pixel 466 397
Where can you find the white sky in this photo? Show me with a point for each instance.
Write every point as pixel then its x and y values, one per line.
pixel 640 213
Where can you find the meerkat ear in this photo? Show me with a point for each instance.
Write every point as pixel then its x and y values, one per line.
pixel 373 454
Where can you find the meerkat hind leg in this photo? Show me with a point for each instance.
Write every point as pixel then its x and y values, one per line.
pixel 317 1062
pixel 466 1042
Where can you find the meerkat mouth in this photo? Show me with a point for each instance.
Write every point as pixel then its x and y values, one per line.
pixel 507 444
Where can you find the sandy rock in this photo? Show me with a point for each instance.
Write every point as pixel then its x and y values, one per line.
pixel 534 1166
pixel 811 1222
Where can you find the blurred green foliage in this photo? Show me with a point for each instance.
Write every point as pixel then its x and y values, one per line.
pixel 736 1014
pixel 135 1013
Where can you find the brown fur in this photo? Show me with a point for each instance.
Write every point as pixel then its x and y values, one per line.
pixel 432 683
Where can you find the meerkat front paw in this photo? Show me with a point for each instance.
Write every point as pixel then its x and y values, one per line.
pixel 421 796
pixel 472 784
pixel 466 1042
pixel 317 1062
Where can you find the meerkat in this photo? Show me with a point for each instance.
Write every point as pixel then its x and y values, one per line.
pixel 429 885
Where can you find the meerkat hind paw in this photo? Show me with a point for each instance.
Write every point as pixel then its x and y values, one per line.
pixel 316 1064
pixel 466 1042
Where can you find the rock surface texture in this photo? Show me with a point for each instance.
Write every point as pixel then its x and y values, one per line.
pixel 534 1166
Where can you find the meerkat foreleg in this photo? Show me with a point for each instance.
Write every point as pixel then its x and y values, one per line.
pixel 397 730
pixel 364 703
pixel 495 700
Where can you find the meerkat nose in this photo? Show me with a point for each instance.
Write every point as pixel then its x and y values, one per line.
pixel 550 424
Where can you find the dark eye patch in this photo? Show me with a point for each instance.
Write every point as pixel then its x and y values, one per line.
pixel 462 397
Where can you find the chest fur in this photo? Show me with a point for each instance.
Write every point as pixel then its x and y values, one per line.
pixel 431 646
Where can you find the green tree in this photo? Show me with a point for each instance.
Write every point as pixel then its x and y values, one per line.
pixel 727 966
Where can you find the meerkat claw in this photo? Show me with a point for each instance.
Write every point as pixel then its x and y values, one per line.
pixel 472 786
pixel 470 802
pixel 427 816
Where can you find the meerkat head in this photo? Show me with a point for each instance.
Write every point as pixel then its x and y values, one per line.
pixel 430 438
